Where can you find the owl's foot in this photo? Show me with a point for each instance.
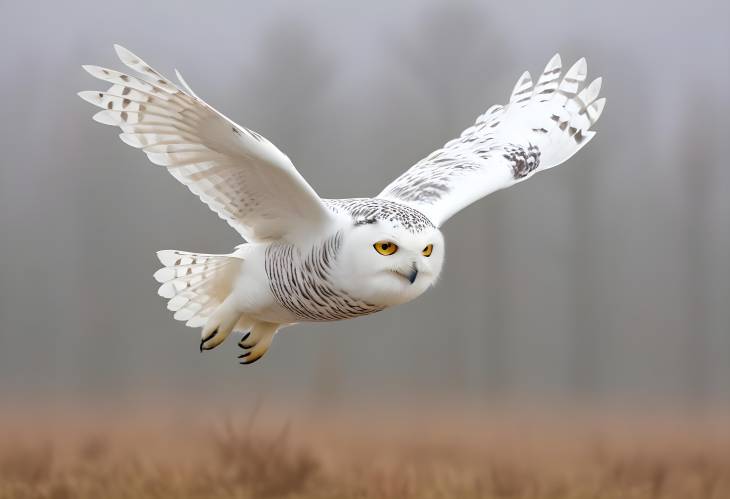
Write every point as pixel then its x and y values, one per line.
pixel 257 342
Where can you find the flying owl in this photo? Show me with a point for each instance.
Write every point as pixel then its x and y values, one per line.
pixel 311 259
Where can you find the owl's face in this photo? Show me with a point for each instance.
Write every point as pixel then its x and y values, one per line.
pixel 385 264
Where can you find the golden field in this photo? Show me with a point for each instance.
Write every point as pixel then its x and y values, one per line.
pixel 424 453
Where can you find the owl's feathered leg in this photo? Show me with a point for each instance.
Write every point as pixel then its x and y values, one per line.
pixel 257 341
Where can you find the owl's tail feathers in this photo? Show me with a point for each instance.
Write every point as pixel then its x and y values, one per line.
pixel 198 287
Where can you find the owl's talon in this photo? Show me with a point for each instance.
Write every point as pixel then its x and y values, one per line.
pixel 242 344
pixel 249 340
pixel 246 358
pixel 207 338
pixel 249 362
pixel 249 359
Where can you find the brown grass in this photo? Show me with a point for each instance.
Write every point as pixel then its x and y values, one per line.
pixel 440 456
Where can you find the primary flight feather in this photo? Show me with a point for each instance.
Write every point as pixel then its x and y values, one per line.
pixel 311 259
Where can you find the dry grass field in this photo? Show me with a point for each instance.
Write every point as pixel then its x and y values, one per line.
pixel 421 454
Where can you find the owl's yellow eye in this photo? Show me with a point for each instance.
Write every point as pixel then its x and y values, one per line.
pixel 385 247
pixel 427 250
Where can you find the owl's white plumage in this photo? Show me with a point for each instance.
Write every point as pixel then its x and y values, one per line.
pixel 552 117
pixel 312 259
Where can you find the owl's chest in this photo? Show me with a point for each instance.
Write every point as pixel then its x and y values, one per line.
pixel 301 282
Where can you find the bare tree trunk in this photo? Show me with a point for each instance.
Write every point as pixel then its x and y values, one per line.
pixel 696 156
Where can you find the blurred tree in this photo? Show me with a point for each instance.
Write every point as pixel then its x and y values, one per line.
pixel 598 189
pixel 697 157
pixel 454 56
pixel 287 96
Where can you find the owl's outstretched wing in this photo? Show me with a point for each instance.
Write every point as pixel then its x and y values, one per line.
pixel 541 127
pixel 242 176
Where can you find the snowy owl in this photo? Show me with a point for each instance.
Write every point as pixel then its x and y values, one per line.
pixel 311 259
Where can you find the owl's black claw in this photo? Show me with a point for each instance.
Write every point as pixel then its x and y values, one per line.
pixel 204 340
pixel 248 361
pixel 245 337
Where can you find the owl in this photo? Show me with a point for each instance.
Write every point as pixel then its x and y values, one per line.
pixel 305 258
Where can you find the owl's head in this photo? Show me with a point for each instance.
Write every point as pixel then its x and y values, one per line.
pixel 386 262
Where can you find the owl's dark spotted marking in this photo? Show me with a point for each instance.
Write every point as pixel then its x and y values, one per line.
pixel 372 210
pixel 366 221
pixel 523 161
pixel 430 179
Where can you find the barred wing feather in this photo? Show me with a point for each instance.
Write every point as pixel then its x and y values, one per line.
pixel 242 176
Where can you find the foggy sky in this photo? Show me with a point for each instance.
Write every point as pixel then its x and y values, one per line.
pixel 604 280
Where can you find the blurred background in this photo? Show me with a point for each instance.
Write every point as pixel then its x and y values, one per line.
pixel 577 342
pixel 603 284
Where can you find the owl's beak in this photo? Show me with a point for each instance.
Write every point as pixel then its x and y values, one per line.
pixel 411 276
